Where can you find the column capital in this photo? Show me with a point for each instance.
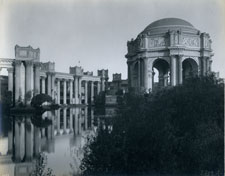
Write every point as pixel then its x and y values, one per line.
pixel 29 63
pixel 50 73
pixel 17 62
pixel 150 73
pixel 173 55
pixel 37 64
pixel 180 56
pixel 10 70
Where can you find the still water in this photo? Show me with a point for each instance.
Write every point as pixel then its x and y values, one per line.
pixel 62 140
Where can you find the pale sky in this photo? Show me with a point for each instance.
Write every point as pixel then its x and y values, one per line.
pixel 95 32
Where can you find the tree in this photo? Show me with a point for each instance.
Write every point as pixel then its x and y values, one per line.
pixel 39 99
pixel 177 130
pixel 40 166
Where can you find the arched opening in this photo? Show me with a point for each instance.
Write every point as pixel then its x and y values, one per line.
pixel 160 74
pixel 190 68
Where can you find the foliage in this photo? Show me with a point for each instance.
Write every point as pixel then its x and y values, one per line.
pixel 100 99
pixel 39 99
pixel 39 122
pixel 99 102
pixel 6 102
pixel 28 96
pixel 40 166
pixel 177 130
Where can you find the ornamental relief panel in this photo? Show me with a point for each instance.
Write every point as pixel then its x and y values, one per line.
pixel 207 44
pixel 23 53
pixel 191 41
pixel 158 42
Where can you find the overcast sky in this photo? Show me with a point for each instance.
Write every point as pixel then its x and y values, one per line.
pixel 95 32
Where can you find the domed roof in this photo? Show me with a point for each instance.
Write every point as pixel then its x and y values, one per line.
pixel 168 23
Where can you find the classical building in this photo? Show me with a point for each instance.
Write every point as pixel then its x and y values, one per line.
pixel 165 53
pixel 27 76
pixel 117 84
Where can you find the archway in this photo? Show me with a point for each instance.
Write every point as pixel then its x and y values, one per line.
pixel 160 74
pixel 190 68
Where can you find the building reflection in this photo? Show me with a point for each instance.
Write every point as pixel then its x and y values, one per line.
pixel 61 140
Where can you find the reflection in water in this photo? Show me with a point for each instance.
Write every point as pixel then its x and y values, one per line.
pixel 62 140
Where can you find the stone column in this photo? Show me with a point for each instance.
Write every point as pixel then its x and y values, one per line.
pixel 128 74
pixel 49 84
pixel 76 121
pixel 10 139
pixel 22 140
pixel 43 129
pixel 86 92
pixel 71 92
pixel 71 120
pixel 49 128
pixel 64 91
pixel 17 142
pixel 10 79
pixel 207 65
pixel 146 77
pixel 98 87
pixel 165 80
pixel 161 79
pixel 92 118
pixel 210 65
pixel 64 121
pixel 103 84
pixel 37 78
pixel 139 75
pixel 203 66
pixel 80 120
pixel 37 141
pixel 17 80
pixel 28 74
pixel 86 118
pixel 92 91
pixel 58 121
pixel 76 90
pixel 0 88
pixel 180 72
pixel 200 66
pixel 58 91
pixel 173 70
pixel 79 92
pixel 43 85
pixel 29 140
pixel 53 86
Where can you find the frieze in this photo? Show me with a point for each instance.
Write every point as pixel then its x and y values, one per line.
pixel 23 53
pixel 207 43
pixel 157 42
pixel 191 41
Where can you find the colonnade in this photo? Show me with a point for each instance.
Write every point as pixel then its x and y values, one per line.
pixel 27 80
pixel 27 140
pixel 70 90
pixel 171 71
pixel 73 120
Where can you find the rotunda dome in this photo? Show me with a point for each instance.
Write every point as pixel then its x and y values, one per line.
pixel 165 24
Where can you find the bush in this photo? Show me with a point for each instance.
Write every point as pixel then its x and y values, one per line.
pixel 177 130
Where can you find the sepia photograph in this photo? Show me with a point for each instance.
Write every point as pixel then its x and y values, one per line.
pixel 112 87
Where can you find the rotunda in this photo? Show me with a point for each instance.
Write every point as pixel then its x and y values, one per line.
pixel 167 52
